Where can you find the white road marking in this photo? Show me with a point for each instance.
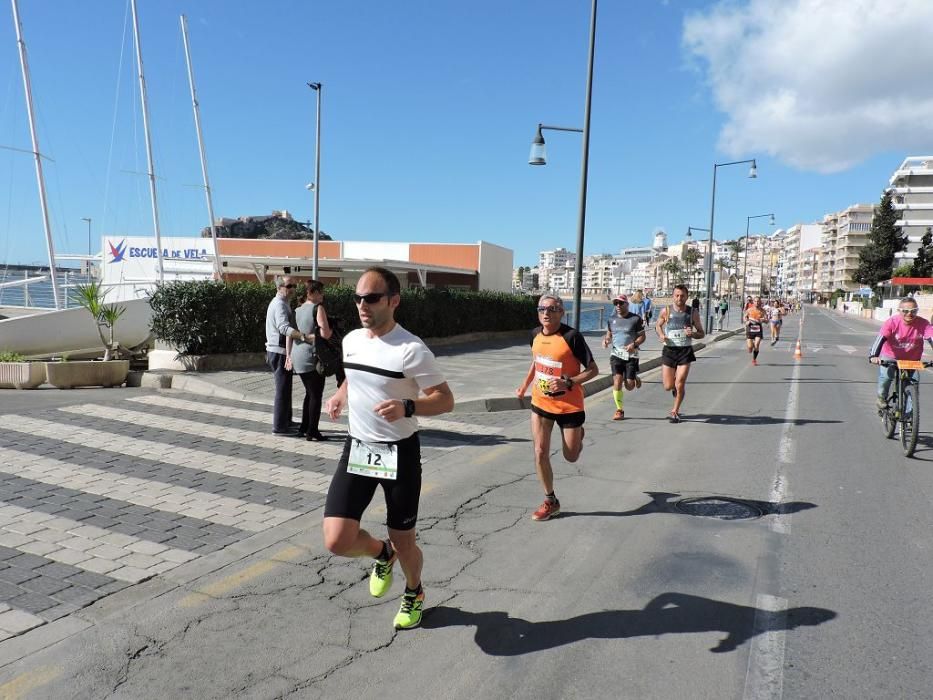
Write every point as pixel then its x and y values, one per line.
pixel 116 555
pixel 157 495
pixel 264 416
pixel 170 454
pixel 847 348
pixel 764 679
pixel 256 438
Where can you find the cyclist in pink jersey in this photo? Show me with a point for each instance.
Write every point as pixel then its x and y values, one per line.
pixel 900 338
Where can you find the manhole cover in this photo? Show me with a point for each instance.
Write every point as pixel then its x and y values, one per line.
pixel 718 507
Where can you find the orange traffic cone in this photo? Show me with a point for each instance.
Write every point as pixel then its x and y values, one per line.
pixel 797 354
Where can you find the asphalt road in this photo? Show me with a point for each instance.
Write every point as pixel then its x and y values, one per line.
pixel 632 592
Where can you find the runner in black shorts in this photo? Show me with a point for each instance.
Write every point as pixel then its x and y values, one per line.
pixel 625 331
pixel 677 326
pixel 391 378
pixel 754 328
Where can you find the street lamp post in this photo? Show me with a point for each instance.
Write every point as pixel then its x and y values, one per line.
pixel 752 173
pixel 538 158
pixel 748 220
pixel 88 219
pixel 317 179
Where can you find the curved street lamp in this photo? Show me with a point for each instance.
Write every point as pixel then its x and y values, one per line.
pixel 752 173
pixel 539 157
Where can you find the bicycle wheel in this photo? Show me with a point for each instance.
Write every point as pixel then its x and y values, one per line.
pixel 910 423
pixel 888 422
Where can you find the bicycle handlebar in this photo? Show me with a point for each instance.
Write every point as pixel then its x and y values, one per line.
pixel 893 363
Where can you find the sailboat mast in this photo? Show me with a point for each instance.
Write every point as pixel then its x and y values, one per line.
pixel 218 268
pixel 152 185
pixel 36 154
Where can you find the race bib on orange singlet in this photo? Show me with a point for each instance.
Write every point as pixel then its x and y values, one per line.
pixel 545 370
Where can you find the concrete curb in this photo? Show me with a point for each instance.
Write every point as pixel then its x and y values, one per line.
pixel 183 381
pixel 601 383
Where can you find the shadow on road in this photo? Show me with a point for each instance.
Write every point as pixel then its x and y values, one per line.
pixel 498 634
pixel 727 419
pixel 663 502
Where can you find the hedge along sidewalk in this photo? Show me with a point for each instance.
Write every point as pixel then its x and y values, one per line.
pixel 208 318
pixel 482 374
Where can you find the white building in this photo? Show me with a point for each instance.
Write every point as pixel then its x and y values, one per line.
pixel 911 187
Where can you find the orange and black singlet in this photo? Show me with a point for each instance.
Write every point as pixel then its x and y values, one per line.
pixel 563 352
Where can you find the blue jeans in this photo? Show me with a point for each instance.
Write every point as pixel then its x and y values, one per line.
pixel 886 377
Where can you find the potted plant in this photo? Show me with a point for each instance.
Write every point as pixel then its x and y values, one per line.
pixel 111 371
pixel 16 373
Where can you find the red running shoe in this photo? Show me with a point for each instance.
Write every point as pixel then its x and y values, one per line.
pixel 546 510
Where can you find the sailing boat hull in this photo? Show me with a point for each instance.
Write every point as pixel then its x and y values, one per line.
pixel 73 332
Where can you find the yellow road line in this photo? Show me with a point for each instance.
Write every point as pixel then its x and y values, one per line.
pixel 27 682
pixel 235 580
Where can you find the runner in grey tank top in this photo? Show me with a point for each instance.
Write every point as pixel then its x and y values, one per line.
pixel 677 326
pixel 624 332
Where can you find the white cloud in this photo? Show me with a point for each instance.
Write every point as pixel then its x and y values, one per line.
pixel 819 84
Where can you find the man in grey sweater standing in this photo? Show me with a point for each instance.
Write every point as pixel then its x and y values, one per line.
pixel 280 324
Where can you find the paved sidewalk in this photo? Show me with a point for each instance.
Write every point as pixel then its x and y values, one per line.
pixel 483 375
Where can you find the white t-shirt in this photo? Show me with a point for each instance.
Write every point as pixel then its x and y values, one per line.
pixel 397 365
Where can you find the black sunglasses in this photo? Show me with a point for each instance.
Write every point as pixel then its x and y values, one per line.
pixel 370 298
pixel 550 309
pixel 620 303
pixel 289 286
pixel 908 311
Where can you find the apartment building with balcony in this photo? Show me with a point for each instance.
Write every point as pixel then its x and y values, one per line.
pixel 911 188
pixel 559 257
pixel 853 225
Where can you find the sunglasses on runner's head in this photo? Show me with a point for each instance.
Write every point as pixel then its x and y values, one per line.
pixel 370 298
pixel 551 309
pixel 908 311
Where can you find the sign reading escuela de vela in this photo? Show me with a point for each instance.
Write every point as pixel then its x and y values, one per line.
pixel 135 259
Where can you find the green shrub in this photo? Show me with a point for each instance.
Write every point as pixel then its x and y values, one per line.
pixel 6 356
pixel 204 317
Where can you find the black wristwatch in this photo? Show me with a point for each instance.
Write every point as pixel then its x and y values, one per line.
pixel 568 380
pixel 409 407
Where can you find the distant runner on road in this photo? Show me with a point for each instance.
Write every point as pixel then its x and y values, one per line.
pixel 625 332
pixel 677 327
pixel 754 328
pixel 561 362
pixel 392 377
pixel 776 320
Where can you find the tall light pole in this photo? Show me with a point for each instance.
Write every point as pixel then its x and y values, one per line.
pixel 752 173
pixel 538 158
pixel 316 185
pixel 88 219
pixel 748 220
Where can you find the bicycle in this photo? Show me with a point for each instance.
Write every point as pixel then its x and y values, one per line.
pixel 903 406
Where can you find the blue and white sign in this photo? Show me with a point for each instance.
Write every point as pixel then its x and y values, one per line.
pixel 863 292
pixel 135 259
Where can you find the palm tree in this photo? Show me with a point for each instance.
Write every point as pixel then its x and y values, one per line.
pixel 691 261
pixel 674 270
pixel 722 265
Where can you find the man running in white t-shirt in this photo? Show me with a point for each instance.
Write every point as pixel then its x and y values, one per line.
pixel 392 377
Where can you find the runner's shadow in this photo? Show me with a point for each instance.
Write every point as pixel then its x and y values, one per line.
pixel 727 419
pixel 498 634
pixel 663 502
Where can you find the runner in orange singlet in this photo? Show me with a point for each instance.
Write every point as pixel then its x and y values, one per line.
pixel 561 361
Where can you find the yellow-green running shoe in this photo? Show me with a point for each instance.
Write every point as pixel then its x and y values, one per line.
pixel 380 580
pixel 409 613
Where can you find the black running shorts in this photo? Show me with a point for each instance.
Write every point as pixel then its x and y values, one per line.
pixel 627 368
pixel 565 421
pixel 751 335
pixel 350 494
pixel 675 356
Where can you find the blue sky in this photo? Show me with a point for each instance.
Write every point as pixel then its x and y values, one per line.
pixel 430 108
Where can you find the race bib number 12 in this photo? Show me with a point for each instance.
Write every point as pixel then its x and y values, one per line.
pixel 378 461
